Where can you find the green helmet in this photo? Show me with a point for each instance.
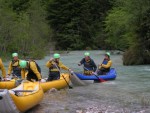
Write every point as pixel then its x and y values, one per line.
pixel 56 55
pixel 14 54
pixel 23 63
pixel 108 54
pixel 86 54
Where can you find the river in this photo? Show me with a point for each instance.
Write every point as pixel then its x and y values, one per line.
pixel 129 93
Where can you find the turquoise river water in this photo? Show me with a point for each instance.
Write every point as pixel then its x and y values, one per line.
pixel 129 93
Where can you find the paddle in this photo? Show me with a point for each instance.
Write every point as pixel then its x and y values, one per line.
pixel 70 87
pixel 75 80
pixel 23 91
pixel 17 91
pixel 100 79
pixel 14 76
pixel 1 90
pixel 20 90
pixel 18 80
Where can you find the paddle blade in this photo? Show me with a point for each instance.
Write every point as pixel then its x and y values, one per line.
pixel 70 87
pixel 102 80
pixel 75 80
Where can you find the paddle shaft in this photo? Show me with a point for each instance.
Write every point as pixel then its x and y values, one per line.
pixel 101 80
pixel 1 90
pixel 16 91
pixel 23 90
pixel 70 87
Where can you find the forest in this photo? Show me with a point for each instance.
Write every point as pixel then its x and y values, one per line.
pixel 35 27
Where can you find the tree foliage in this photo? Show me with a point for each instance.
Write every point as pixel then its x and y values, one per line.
pixel 24 28
pixel 127 28
pixel 76 23
pixel 31 26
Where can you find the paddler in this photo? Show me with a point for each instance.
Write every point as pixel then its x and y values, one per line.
pixel 88 63
pixel 2 69
pixel 14 66
pixel 30 70
pixel 105 66
pixel 54 65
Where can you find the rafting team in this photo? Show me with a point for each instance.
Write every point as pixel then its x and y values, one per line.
pixel 30 70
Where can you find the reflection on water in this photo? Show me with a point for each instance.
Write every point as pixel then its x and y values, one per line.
pixel 129 93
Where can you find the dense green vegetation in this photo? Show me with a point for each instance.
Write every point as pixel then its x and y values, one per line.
pixel 128 29
pixel 32 27
pixel 77 24
pixel 23 28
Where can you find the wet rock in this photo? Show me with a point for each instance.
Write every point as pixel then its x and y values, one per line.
pixel 143 111
pixel 116 52
pixel 53 90
pixel 135 56
pixel 79 111
pixel 44 80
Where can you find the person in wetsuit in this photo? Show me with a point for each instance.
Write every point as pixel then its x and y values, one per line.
pixel 105 66
pixel 30 70
pixel 2 69
pixel 88 64
pixel 54 65
pixel 14 66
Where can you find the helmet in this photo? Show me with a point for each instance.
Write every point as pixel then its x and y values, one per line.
pixel 86 54
pixel 56 55
pixel 14 54
pixel 108 54
pixel 23 63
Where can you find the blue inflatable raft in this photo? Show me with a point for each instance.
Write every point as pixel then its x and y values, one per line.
pixel 111 75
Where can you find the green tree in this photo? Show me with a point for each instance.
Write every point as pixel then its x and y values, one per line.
pixel 7 19
pixel 24 28
pixel 76 24
pixel 127 28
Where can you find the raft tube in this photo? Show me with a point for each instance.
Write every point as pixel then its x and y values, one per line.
pixel 111 75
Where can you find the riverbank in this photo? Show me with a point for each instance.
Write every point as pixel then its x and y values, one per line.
pixel 36 56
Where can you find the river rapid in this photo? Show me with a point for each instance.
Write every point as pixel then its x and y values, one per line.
pixel 129 93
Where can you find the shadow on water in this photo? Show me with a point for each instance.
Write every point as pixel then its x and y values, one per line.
pixel 129 93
